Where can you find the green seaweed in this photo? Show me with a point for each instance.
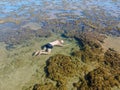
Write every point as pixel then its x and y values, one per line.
pixel 111 60
pixel 20 36
pixel 46 86
pixel 98 79
pixel 61 66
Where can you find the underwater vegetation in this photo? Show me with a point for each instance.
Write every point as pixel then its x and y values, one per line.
pixel 90 47
pixel 68 24
pixel 61 68
pixel 86 36
pixel 19 36
pixel 86 68
pixel 112 62
pixel 98 79
pixel 100 23
pixel 46 86
pixel 88 55
pixel 62 62
pixel 112 58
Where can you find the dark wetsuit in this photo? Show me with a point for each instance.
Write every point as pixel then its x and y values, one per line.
pixel 47 46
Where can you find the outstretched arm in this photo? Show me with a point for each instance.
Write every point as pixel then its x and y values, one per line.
pixel 63 45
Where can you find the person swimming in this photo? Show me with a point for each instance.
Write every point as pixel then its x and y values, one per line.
pixel 47 48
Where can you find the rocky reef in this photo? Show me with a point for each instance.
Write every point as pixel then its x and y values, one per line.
pixel 112 58
pixel 19 36
pixel 98 79
pixel 46 86
pixel 60 67
pixel 86 22
pixel 88 54
pixel 105 76
pixel 112 62
pixel 90 47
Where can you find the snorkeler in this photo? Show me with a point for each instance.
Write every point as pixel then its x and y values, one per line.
pixel 46 49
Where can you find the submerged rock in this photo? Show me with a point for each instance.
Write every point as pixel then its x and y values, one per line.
pixel 98 79
pixel 88 53
pixel 46 86
pixel 112 58
pixel 103 76
pixel 60 67
pixel 20 36
pixel 112 61
pixel 90 47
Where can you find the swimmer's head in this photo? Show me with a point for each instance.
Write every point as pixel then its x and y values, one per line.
pixel 62 41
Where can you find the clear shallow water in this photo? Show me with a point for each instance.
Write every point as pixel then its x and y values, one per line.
pixel 14 8
pixel 22 12
pixel 32 13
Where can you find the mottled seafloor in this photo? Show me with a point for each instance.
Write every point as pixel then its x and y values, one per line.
pixel 26 25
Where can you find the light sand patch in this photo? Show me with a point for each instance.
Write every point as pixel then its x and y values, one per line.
pixel 33 26
pixel 112 42
pixel 17 79
pixel 1 21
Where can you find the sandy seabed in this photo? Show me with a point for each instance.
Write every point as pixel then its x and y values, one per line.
pixel 112 42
